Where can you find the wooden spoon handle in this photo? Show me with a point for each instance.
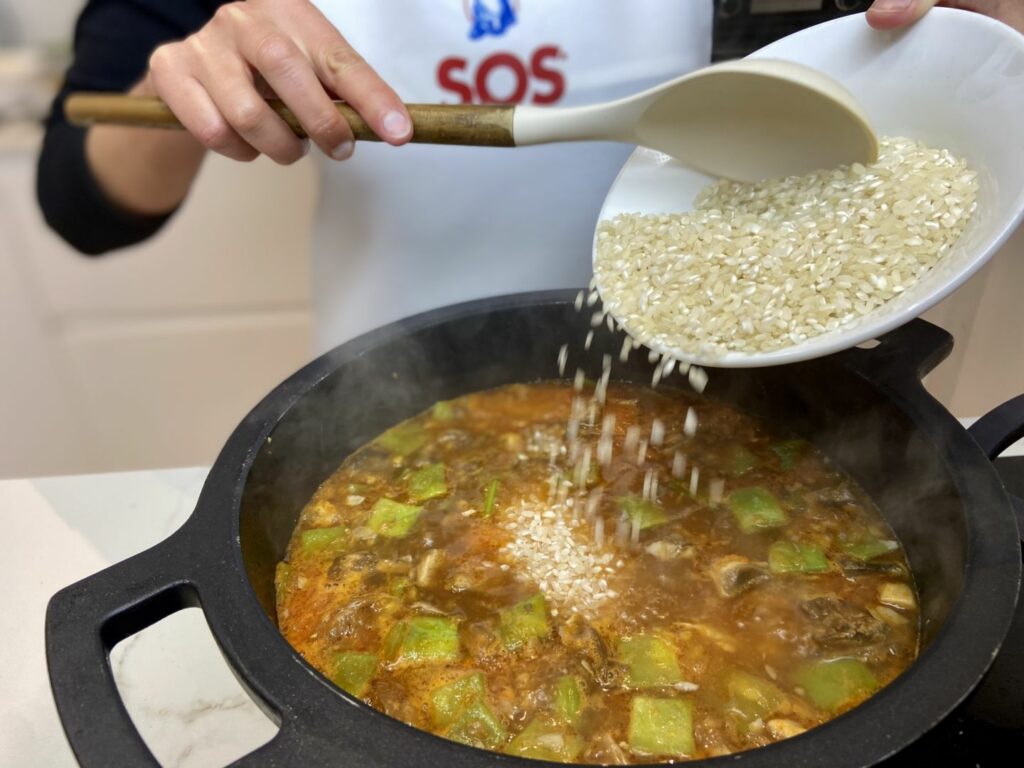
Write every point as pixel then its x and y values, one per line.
pixel 473 125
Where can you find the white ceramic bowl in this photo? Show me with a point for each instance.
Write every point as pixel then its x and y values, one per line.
pixel 955 80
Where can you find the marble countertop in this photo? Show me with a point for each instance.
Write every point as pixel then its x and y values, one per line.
pixel 183 698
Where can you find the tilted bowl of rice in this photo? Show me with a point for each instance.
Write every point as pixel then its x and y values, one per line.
pixel 741 275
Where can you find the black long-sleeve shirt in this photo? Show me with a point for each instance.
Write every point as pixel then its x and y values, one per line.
pixel 113 42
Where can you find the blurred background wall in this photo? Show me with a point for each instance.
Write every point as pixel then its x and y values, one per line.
pixel 149 357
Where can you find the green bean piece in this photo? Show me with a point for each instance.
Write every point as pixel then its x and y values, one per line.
pixel 423 639
pixel 794 557
pixel 869 549
pixel 569 699
pixel 756 508
pixel 837 684
pixel 490 496
pixel 523 622
pixel 404 439
pixel 752 697
pixel 788 452
pixel 651 661
pixel 449 701
pixel 646 513
pixel 545 738
pixel 661 726
pixel 354 671
pixel 478 727
pixel 392 518
pixel 428 483
pixel 741 461
pixel 315 540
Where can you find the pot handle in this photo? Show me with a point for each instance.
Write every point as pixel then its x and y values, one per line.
pixel 84 622
pixel 1000 428
pixel 912 350
pixel 996 431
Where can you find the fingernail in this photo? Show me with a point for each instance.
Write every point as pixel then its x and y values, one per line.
pixel 891 6
pixel 396 125
pixel 343 151
pixel 305 147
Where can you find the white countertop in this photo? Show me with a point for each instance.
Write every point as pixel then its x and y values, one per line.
pixel 184 700
pixel 177 687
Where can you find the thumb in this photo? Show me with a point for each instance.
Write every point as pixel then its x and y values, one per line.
pixel 892 14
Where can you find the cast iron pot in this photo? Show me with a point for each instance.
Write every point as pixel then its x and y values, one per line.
pixel 866 409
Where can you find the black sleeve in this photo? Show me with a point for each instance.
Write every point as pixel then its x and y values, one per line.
pixel 113 42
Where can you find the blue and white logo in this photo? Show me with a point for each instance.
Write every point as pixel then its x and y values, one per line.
pixel 490 17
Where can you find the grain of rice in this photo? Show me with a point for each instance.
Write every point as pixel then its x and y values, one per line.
pixel 632 438
pixel 563 356
pixel 579 379
pixel 690 424
pixel 589 340
pixel 596 319
pixel 627 345
pixel 715 490
pixel 657 432
pixel 678 465
pixel 694 480
pixel 698 378
pixel 757 267
pixel 579 301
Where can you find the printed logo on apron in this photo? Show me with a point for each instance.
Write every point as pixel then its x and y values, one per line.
pixel 490 18
pixel 502 77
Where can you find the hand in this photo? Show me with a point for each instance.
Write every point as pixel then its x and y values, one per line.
pixel 215 82
pixel 889 14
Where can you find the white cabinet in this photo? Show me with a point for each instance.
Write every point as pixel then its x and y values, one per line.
pixel 150 356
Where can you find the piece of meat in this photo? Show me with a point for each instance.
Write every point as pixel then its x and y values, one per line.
pixel 839 624
pixel 582 639
pixel 482 642
pixel 734 574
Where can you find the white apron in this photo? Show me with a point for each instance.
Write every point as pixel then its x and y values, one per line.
pixel 399 231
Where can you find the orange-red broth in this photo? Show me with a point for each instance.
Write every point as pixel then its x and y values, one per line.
pixel 741 614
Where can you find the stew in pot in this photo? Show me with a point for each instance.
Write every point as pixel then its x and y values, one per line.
pixel 528 571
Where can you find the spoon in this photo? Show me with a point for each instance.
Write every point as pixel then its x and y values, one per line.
pixel 743 120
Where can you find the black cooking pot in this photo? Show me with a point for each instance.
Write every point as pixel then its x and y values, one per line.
pixel 866 409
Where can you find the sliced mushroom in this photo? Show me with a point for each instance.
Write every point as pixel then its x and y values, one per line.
pixel 429 567
pixel 841 624
pixel 667 549
pixel 888 615
pixel 734 574
pixel 343 564
pixel 898 595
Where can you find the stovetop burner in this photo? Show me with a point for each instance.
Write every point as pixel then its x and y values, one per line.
pixel 988 729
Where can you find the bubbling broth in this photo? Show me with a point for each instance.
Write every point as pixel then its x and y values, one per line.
pixel 513 572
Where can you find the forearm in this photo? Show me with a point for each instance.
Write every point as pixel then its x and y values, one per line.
pixel 142 171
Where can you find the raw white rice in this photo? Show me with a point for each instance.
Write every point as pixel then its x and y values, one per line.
pixel 761 266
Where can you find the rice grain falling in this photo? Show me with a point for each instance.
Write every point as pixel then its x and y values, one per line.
pixel 756 267
pixel 690 424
